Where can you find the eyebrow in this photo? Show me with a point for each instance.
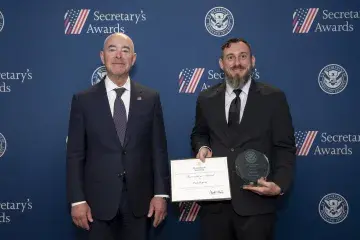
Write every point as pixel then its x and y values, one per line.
pixel 234 54
pixel 113 46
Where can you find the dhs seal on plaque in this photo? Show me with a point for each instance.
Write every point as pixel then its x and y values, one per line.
pixel 333 79
pixel 219 21
pixel 2 145
pixel 333 208
pixel 98 74
pixel 251 165
pixel 2 21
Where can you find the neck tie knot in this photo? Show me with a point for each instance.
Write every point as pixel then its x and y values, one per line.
pixel 119 91
pixel 237 92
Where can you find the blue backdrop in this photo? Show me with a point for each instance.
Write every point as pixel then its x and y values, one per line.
pixel 50 50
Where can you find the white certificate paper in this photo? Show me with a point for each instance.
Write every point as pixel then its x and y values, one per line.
pixel 193 180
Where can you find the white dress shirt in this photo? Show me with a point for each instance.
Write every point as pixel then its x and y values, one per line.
pixel 230 95
pixel 110 87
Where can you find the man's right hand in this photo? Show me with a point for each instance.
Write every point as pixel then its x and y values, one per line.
pixel 203 153
pixel 81 214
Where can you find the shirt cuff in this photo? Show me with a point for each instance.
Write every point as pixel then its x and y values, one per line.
pixel 162 195
pixel 205 147
pixel 77 203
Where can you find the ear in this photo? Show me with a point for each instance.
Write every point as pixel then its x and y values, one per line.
pixel 134 59
pixel 253 60
pixel 102 57
pixel 221 64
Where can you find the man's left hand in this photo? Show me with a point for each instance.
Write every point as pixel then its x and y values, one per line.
pixel 158 209
pixel 264 188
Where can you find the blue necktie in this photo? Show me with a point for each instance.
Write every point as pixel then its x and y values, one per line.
pixel 120 118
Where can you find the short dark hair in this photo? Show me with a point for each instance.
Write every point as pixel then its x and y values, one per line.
pixel 234 40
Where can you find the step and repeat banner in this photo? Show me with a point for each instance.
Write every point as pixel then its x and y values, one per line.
pixel 49 50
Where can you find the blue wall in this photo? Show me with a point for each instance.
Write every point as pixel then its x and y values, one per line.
pixel 41 67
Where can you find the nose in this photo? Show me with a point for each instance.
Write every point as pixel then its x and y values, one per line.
pixel 118 54
pixel 237 61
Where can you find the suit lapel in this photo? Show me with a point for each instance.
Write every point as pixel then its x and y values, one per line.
pixel 218 104
pixel 250 112
pixel 104 111
pixel 135 99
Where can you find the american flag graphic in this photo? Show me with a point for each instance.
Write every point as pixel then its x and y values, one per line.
pixel 304 141
pixel 75 20
pixel 188 211
pixel 303 18
pixel 189 79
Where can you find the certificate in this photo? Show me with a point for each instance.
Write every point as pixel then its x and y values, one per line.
pixel 194 180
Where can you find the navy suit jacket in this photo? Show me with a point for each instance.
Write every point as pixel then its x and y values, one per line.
pixel 95 154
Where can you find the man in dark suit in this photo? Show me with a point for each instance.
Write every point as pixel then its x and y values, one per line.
pixel 233 116
pixel 117 161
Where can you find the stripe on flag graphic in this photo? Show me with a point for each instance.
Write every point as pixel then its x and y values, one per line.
pixel 74 20
pixel 189 79
pixel 188 211
pixel 304 141
pixel 303 19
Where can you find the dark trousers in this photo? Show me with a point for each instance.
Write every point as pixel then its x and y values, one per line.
pixel 125 226
pixel 227 224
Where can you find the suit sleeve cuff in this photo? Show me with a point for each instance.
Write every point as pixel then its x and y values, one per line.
pixel 281 190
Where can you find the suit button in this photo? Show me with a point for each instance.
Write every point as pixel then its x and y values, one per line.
pixel 232 150
pixel 124 152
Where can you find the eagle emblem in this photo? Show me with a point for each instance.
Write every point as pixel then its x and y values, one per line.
pixel 333 208
pixel 333 79
pixel 98 74
pixel 219 21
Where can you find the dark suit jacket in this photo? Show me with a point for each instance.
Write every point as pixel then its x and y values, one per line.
pixel 266 126
pixel 94 152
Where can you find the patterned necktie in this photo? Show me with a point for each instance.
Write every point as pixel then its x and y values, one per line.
pixel 234 110
pixel 120 118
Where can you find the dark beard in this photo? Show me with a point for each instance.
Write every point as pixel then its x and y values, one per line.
pixel 238 82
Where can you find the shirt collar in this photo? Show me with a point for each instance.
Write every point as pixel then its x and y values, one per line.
pixel 110 85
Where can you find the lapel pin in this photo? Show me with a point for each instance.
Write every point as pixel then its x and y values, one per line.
pixel 139 98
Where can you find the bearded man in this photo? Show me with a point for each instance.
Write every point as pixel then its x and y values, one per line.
pixel 231 117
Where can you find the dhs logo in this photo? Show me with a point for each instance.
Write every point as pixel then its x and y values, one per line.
pixel 250 157
pixel 2 22
pixel 98 75
pixel 2 145
pixel 219 21
pixel 333 79
pixel 333 208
